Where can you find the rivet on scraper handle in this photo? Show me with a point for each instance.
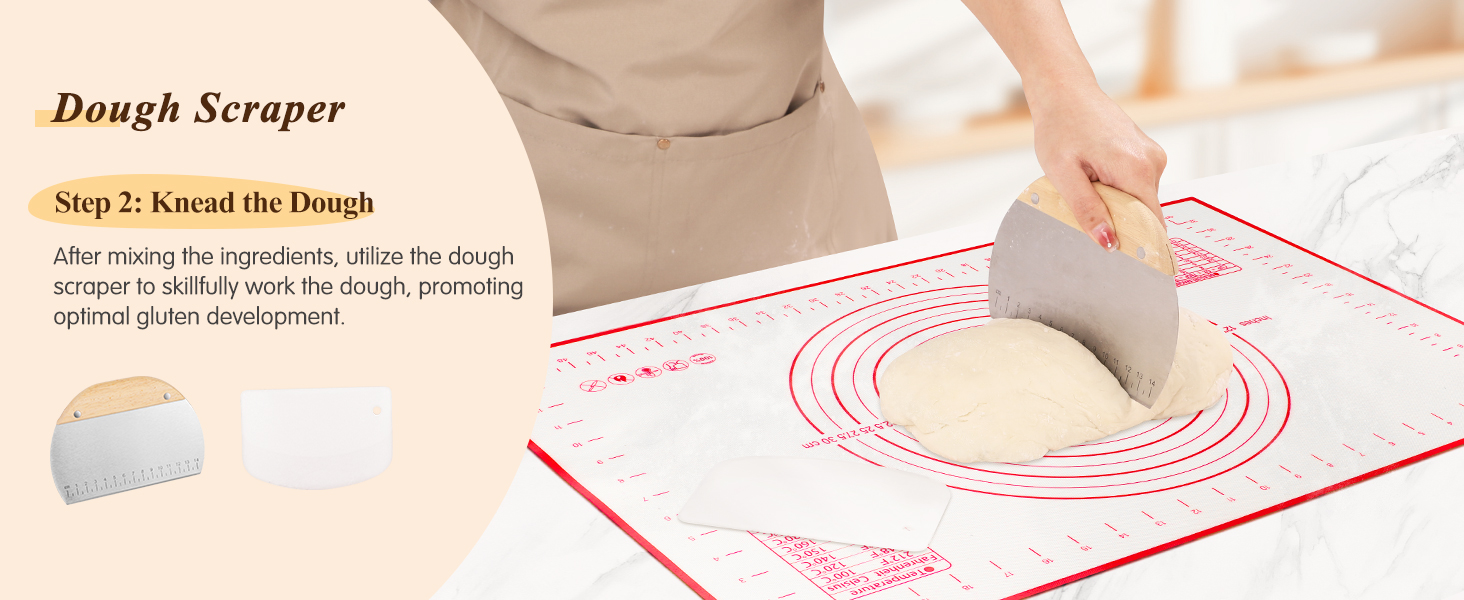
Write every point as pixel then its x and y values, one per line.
pixel 122 435
pixel 1139 230
pixel 1123 306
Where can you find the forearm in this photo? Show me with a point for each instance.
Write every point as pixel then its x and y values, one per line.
pixel 1036 38
pixel 1080 134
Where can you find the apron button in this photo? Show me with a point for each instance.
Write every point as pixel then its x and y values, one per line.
pixel 663 143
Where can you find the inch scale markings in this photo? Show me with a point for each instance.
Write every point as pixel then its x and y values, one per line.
pixel 730 569
pixel 130 480
pixel 1195 265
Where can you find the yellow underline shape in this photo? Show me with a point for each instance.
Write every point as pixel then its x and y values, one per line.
pixel 43 119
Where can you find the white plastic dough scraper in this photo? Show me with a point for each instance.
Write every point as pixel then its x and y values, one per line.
pixel 315 439
pixel 790 496
pixel 123 435
pixel 1121 305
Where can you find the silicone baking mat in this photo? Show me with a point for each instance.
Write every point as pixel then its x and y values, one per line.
pixel 1337 378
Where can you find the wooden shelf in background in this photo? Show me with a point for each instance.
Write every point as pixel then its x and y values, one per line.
pixel 1014 130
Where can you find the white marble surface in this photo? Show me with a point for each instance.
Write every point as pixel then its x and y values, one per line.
pixel 1391 211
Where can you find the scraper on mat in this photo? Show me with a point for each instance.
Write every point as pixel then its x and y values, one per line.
pixel 791 496
pixel 122 435
pixel 1121 305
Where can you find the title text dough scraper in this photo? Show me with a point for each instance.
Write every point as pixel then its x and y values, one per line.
pixel 1121 305
pixel 122 435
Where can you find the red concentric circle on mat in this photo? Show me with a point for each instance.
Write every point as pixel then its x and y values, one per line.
pixel 834 383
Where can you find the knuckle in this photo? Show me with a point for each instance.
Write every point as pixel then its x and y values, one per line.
pixel 1160 157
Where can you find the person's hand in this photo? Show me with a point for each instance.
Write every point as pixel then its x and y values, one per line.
pixel 1082 136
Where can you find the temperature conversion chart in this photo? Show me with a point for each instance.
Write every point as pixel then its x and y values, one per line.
pixel 1336 379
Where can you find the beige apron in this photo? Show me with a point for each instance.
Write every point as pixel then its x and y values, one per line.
pixel 721 181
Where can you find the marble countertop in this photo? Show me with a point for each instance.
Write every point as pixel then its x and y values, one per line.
pixel 1391 211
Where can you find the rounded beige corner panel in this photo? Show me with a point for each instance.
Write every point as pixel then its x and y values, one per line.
pixel 265 320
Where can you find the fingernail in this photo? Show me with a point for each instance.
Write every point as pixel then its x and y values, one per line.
pixel 1105 237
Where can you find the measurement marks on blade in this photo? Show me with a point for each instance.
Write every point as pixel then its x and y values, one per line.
pixel 133 479
pixel 1330 290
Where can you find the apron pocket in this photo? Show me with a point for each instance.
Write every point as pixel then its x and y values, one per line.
pixel 630 215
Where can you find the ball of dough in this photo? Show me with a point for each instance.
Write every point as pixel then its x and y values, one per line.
pixel 1014 390
pixel 1009 391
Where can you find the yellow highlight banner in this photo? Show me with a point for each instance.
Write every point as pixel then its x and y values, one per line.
pixel 44 118
pixel 193 202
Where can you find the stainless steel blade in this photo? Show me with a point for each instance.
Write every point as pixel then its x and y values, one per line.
pixel 1125 312
pixel 95 457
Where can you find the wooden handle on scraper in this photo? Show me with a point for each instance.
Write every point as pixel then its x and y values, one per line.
pixel 1140 232
pixel 118 396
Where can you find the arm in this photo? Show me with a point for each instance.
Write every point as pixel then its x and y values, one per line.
pixel 1082 136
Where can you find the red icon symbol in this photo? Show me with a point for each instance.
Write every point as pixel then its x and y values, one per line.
pixel 675 365
pixel 621 378
pixel 647 372
pixel 593 385
pixel 703 358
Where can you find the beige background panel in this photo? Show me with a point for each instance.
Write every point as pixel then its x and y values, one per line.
pixel 426 136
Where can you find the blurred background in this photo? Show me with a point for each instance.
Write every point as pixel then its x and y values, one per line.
pixel 1221 85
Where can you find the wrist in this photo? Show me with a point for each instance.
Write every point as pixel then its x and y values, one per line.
pixel 1061 89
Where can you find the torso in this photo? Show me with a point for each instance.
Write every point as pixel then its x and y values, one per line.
pixel 654 67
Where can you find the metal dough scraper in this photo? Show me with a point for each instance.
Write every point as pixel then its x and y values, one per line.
pixel 122 435
pixel 1121 305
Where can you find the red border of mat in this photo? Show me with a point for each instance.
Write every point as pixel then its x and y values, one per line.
pixel 701 591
